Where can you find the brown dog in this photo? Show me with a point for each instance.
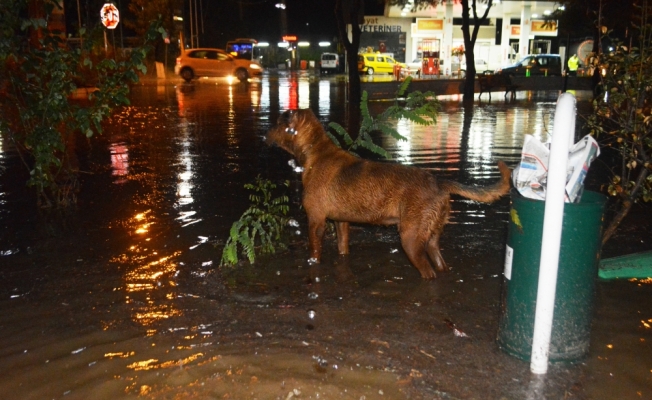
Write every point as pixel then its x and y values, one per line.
pixel 344 188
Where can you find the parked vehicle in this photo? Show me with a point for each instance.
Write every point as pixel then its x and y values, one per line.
pixel 415 65
pixel 535 65
pixel 376 63
pixel 329 62
pixel 417 68
pixel 481 67
pixel 206 62
pixel 245 49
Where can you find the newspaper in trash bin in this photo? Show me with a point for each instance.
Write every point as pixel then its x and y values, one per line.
pixel 530 176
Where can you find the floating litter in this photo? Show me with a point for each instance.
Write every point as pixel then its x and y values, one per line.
pixel 459 333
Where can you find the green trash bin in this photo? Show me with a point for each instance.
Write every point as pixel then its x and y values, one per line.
pixel 579 258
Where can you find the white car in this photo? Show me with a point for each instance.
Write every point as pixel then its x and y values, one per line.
pixel 329 62
pixel 416 66
pixel 195 63
pixel 481 67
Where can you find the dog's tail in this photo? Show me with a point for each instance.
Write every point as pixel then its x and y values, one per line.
pixel 487 194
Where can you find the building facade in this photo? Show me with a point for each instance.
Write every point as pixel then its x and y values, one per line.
pixel 512 30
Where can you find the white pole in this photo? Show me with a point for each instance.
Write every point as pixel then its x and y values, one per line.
pixel 562 137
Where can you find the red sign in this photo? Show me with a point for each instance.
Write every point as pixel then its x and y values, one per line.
pixel 110 15
pixel 290 38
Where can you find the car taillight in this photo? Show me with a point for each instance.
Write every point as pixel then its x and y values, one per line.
pixel 178 61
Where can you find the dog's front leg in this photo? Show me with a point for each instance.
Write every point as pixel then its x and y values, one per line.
pixel 316 227
pixel 342 229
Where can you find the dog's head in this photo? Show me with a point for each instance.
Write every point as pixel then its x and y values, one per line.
pixel 295 131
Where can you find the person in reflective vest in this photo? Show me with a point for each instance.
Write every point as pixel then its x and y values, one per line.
pixel 573 64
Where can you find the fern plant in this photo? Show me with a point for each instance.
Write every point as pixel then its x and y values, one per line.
pixel 260 227
pixel 421 108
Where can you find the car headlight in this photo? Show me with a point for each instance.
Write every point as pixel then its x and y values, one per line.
pixel 254 66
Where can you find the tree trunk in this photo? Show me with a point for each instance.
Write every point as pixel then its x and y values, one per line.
pixel 469 44
pixel 615 222
pixel 351 12
pixel 627 203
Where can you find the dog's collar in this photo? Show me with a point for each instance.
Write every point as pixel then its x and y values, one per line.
pixel 291 131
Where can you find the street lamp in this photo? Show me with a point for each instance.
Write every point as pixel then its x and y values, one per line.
pixel 284 21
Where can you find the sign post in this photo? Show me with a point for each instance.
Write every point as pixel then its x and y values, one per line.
pixel 110 17
pixel 292 40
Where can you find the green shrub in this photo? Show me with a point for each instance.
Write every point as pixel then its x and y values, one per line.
pixel 261 226
pixel 39 73
pixel 622 117
pixel 418 107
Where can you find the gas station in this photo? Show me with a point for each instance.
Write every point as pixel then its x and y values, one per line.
pixel 513 29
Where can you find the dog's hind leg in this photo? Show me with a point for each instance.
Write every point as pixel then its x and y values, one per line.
pixel 415 249
pixel 438 217
pixel 342 229
pixel 432 248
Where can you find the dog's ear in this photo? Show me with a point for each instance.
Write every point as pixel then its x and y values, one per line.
pixel 287 117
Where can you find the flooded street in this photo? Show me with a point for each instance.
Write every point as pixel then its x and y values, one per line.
pixel 124 297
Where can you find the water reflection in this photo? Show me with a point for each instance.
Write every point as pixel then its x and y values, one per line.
pixel 154 363
pixel 148 274
pixel 434 144
pixel 288 93
pixel 324 97
pixel 141 161
pixel 185 177
pixel 119 161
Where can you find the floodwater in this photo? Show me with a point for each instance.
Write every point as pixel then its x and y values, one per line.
pixel 123 297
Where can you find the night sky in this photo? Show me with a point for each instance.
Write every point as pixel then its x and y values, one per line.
pixel 223 20
pixel 309 19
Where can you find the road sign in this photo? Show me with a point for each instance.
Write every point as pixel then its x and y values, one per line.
pixel 110 15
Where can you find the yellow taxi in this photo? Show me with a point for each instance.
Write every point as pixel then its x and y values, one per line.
pixel 377 63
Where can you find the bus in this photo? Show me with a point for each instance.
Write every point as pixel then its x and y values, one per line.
pixel 245 49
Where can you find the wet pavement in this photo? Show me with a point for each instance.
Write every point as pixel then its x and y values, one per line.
pixel 123 297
